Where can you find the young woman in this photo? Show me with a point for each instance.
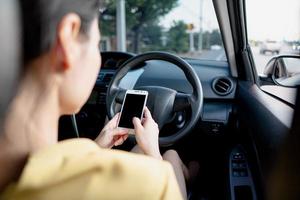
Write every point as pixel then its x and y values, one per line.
pixel 61 63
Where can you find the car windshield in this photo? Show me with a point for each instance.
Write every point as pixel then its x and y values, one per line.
pixel 187 28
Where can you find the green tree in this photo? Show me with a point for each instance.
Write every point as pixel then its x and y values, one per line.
pixel 152 37
pixel 215 38
pixel 107 18
pixel 140 15
pixel 209 39
pixel 206 40
pixel 178 39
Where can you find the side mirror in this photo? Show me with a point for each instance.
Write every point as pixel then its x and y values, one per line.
pixel 284 70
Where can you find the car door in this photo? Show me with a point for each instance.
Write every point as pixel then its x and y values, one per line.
pixel 271 105
pixel 264 117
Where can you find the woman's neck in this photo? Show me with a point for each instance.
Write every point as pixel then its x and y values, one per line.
pixel 31 123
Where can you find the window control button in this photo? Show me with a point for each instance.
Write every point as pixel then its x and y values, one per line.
pixel 235 165
pixel 238 156
pixel 243 173
pixel 242 165
pixel 236 174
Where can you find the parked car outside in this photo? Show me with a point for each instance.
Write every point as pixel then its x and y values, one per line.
pixel 270 46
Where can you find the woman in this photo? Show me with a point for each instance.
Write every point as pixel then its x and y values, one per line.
pixel 61 63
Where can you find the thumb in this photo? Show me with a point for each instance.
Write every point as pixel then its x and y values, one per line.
pixel 137 125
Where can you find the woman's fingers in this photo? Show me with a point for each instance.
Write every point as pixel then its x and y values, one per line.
pixel 113 122
pixel 143 120
pixel 147 113
pixel 137 125
pixel 125 137
pixel 120 140
pixel 119 131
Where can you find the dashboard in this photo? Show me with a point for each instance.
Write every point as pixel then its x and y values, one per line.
pixel 218 90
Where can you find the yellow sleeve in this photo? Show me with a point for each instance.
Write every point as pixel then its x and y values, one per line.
pixel 79 169
pixel 171 190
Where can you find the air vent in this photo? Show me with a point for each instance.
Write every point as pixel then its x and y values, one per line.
pixel 222 86
pixel 105 77
pixel 100 76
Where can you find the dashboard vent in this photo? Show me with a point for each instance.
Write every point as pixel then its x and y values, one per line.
pixel 105 77
pixel 100 76
pixel 222 86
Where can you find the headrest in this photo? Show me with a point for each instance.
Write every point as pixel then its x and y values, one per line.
pixel 10 48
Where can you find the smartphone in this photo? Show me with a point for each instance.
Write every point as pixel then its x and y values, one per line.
pixel 133 106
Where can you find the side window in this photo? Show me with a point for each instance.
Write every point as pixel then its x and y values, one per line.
pixel 274 36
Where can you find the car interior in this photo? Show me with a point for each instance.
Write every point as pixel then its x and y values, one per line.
pixel 217 113
pixel 214 112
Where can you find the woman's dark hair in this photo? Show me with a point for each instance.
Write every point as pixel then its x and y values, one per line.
pixel 41 17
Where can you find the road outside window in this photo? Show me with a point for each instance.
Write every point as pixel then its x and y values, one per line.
pixel 273 29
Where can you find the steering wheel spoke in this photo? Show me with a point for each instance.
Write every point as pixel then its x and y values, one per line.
pixel 182 101
pixel 120 94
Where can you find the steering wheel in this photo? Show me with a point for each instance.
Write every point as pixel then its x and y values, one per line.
pixel 162 102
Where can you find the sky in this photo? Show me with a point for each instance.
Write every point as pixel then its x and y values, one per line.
pixel 189 11
pixel 266 19
pixel 273 19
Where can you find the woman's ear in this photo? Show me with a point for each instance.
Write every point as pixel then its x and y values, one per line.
pixel 67 46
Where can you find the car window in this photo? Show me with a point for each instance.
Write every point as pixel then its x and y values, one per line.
pixel 273 29
pixel 188 28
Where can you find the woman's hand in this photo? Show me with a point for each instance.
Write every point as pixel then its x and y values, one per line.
pixel 111 135
pixel 146 134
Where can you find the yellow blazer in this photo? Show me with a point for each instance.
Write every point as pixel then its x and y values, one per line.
pixel 80 169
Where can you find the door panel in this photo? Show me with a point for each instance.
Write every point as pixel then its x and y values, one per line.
pixel 267 119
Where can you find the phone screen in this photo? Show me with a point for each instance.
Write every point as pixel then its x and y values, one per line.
pixel 133 107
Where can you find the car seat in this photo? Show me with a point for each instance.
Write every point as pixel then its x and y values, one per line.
pixel 10 48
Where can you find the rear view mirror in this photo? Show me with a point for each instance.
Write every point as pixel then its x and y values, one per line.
pixel 284 70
